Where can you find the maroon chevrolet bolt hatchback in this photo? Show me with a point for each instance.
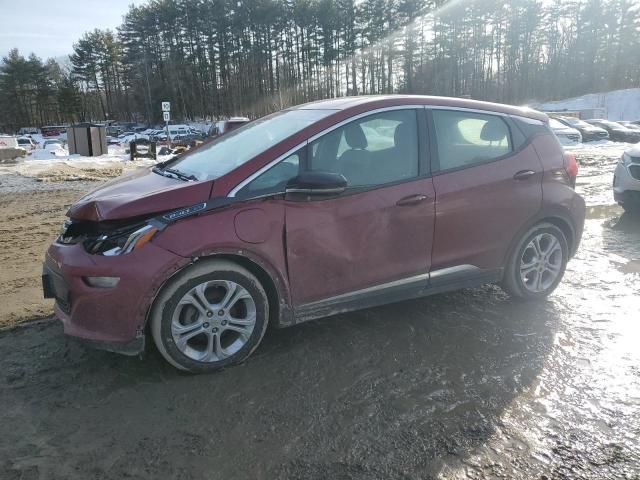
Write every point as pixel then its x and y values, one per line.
pixel 318 209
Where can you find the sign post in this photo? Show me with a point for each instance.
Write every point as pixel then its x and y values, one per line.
pixel 166 115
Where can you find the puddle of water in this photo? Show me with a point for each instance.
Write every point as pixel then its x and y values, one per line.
pixel 602 211
pixel 580 418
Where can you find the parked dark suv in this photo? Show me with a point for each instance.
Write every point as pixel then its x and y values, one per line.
pixel 617 132
pixel 318 209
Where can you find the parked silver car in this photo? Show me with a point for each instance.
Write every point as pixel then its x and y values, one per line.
pixel 626 180
pixel 566 134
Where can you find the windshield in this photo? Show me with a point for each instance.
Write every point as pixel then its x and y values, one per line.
pixel 553 123
pixel 241 145
pixel 576 122
pixel 609 124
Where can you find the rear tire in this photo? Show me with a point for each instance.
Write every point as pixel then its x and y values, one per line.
pixel 537 264
pixel 211 316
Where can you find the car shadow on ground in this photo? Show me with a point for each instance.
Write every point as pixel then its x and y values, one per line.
pixel 392 392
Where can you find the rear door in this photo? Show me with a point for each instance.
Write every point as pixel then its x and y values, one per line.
pixel 378 233
pixel 487 180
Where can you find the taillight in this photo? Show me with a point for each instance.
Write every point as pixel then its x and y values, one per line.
pixel 571 167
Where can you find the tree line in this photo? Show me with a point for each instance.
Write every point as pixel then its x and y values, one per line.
pixel 214 58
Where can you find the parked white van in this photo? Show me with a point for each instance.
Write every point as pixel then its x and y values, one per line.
pixel 8 141
pixel 178 130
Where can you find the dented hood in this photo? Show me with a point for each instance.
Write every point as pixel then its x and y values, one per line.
pixel 139 193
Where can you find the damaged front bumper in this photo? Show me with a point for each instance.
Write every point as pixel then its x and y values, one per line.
pixel 110 318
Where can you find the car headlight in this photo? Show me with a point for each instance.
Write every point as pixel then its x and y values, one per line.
pixel 120 241
pixel 133 241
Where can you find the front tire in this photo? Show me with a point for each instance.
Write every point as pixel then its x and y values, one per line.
pixel 212 315
pixel 537 264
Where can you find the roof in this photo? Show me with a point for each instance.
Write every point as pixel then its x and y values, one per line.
pixel 379 101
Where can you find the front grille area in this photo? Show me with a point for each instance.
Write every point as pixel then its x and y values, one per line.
pixel 55 286
pixel 573 137
pixel 635 171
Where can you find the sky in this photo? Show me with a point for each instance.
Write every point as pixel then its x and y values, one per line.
pixel 49 28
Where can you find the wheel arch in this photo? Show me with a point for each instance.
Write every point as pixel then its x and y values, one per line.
pixel 280 310
pixel 567 229
pixel 556 217
pixel 278 306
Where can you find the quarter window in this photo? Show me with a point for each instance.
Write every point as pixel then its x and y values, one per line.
pixel 273 180
pixel 466 138
pixel 375 150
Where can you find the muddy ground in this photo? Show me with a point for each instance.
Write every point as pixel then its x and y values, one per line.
pixel 469 384
pixel 29 220
pixel 35 197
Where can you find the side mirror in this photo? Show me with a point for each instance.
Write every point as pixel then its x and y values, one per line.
pixel 317 183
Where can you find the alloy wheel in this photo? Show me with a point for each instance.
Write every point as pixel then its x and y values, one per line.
pixel 213 320
pixel 541 262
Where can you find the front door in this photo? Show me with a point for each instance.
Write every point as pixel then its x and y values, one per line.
pixel 379 231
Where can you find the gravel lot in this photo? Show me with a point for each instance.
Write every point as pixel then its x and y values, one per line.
pixel 469 384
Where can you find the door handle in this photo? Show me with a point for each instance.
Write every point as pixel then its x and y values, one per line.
pixel 411 200
pixel 524 174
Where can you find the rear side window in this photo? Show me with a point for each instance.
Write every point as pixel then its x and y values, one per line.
pixel 465 138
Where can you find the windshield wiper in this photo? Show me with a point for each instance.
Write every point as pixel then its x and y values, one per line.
pixel 168 172
pixel 181 175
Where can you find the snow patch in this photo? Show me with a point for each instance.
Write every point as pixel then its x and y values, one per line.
pixel 617 104
pixel 56 165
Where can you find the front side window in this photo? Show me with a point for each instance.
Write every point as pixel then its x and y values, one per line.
pixel 465 138
pixel 242 144
pixel 273 180
pixel 375 150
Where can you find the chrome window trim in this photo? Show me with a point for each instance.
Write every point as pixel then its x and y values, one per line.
pixel 268 166
pixel 362 115
pixel 532 121
pixel 465 109
pixel 259 172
